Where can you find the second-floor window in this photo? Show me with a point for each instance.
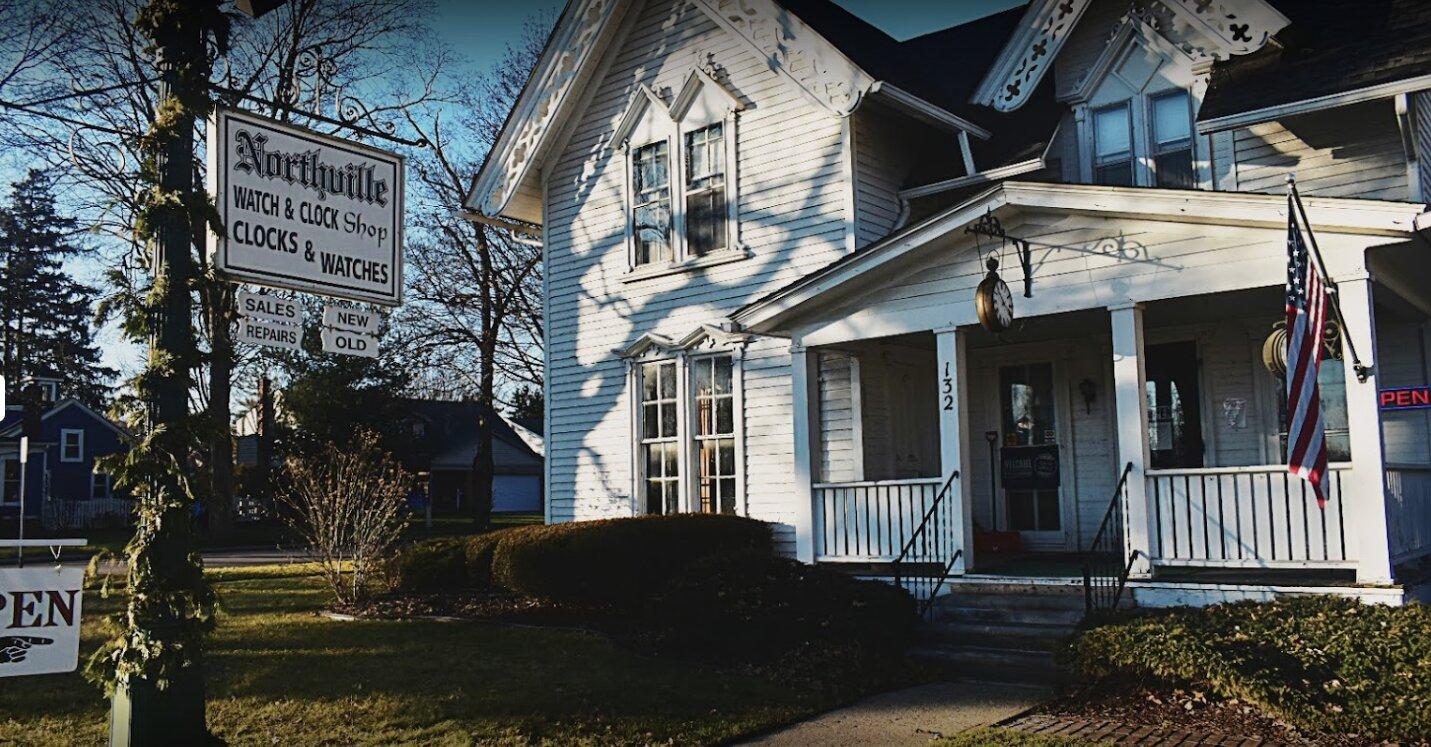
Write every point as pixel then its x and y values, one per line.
pixel 1171 140
pixel 651 211
pixel 71 445
pixel 706 213
pixel 1113 146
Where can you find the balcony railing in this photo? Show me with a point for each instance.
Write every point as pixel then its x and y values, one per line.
pixel 871 520
pixel 1246 517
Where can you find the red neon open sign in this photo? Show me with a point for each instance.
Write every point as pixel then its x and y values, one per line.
pixel 1406 398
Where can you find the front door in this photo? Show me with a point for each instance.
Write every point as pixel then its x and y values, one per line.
pixel 1030 466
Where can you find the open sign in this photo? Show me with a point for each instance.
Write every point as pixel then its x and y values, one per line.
pixel 1406 398
pixel 39 620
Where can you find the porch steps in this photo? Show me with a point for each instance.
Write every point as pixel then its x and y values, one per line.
pixel 1001 630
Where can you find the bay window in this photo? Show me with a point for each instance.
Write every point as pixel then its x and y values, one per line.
pixel 660 443
pixel 1113 146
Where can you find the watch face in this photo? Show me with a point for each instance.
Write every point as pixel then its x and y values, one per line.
pixel 1003 304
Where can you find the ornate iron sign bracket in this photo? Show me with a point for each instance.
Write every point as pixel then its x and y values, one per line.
pixel 989 225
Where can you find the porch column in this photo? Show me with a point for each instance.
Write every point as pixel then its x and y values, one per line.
pixel 802 395
pixel 1364 490
pixel 1129 384
pixel 954 456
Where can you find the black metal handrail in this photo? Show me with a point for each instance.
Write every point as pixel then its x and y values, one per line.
pixel 933 538
pixel 1105 572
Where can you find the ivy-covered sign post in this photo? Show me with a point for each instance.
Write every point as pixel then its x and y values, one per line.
pixel 153 666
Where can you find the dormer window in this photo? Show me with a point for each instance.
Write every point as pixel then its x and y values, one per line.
pixel 706 213
pixel 680 181
pixel 1113 146
pixel 1172 140
pixel 651 208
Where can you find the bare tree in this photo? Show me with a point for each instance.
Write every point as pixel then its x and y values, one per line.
pixel 474 290
pixel 347 503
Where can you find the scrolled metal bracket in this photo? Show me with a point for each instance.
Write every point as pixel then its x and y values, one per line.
pixel 988 225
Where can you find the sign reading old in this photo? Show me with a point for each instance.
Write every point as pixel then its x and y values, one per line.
pixel 305 211
pixel 39 620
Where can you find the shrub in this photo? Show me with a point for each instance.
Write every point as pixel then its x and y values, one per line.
pixel 435 565
pixel 617 562
pixel 1319 663
pixel 755 608
pixel 481 550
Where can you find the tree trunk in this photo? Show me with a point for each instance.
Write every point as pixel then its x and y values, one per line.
pixel 482 465
pixel 221 445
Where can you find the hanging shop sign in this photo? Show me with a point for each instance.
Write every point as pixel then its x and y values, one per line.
pixel 350 319
pixel 39 620
pixel 269 334
pixel 349 343
pixel 1406 398
pixel 305 211
pixel 1029 467
pixel 270 307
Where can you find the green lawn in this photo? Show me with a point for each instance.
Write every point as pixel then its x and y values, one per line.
pixel 279 674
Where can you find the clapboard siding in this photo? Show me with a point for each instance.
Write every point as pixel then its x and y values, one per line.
pixel 1353 151
pixel 837 418
pixel 884 156
pixel 793 204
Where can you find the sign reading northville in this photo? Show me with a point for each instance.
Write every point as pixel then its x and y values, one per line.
pixel 305 211
pixel 39 620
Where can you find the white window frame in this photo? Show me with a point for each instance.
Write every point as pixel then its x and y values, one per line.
pixel 694 439
pixel 649 120
pixel 95 476
pixel 1132 159
pixel 683 357
pixel 1154 149
pixel 6 464
pixel 642 441
pixel 65 433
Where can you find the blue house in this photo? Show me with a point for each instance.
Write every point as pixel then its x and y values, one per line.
pixel 63 489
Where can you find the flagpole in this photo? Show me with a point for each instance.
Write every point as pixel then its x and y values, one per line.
pixel 1362 372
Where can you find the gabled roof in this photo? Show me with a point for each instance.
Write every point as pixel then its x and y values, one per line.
pixel 13 418
pixel 1331 47
pixel 452 431
pixel 836 59
pixel 1245 209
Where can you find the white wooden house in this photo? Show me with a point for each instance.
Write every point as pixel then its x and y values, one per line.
pixel 760 279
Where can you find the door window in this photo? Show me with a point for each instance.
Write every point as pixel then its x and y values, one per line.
pixel 1174 406
pixel 1029 420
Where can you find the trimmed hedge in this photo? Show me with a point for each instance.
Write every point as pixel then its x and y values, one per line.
pixel 435 565
pixel 618 562
pixel 755 608
pixel 1326 664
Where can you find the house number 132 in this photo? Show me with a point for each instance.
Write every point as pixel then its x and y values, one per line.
pixel 948 389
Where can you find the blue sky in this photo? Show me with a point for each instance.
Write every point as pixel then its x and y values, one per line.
pixel 481 29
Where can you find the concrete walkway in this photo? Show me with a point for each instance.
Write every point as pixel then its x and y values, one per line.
pixel 913 716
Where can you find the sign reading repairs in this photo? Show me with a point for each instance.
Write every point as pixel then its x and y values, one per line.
pixel 1406 398
pixel 39 620
pixel 305 211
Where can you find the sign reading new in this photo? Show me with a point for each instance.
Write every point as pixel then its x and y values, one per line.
pixel 305 211
pixel 39 620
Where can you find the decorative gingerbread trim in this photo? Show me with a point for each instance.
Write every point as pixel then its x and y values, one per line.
pixel 1029 53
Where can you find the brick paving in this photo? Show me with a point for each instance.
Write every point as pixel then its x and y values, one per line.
pixel 1122 733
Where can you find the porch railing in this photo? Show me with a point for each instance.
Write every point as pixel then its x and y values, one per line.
pixel 1106 562
pixel 1246 517
pixel 927 557
pixel 1408 511
pixel 870 521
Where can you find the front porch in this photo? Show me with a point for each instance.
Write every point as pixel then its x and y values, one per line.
pixel 925 439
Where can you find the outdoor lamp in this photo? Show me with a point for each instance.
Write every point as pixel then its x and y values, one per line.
pixel 1089 390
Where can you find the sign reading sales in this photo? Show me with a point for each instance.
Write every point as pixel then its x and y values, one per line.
pixel 305 211
pixel 39 620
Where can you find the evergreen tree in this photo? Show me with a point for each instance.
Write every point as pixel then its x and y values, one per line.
pixel 45 315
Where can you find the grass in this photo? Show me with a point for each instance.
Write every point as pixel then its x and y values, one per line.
pixel 280 674
pixel 996 737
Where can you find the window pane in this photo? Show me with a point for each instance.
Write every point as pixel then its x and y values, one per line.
pixel 705 221
pixel 1172 122
pixel 653 232
pixel 1175 169
pixel 1112 135
pixel 723 368
pixel 1115 175
pixel 648 381
pixel 668 420
pixel 725 420
pixel 668 381
pixel 653 461
pixel 727 456
pixel 727 496
pixel 652 170
pixel 704 369
pixel 672 459
pixel 655 502
pixel 705 157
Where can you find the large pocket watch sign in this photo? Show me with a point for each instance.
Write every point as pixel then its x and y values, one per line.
pixel 305 211
pixel 39 620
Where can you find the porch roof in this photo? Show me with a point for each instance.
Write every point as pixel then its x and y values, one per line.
pixel 1327 215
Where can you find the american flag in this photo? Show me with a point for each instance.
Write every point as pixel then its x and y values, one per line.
pixel 1306 323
